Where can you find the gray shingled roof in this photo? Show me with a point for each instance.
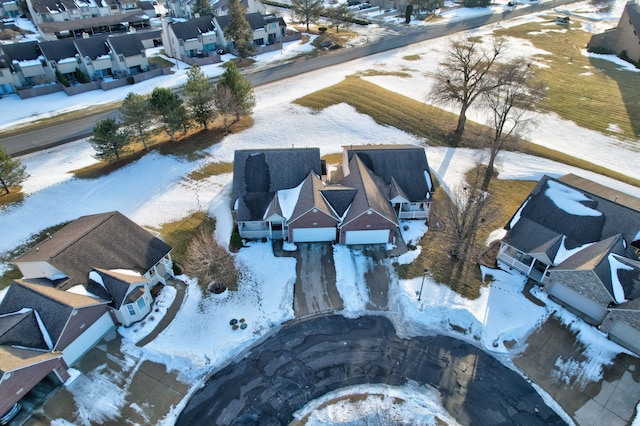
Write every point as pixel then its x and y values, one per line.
pixel 105 240
pixel 368 196
pixel 633 9
pixel 55 6
pixel 88 23
pixel 258 174
pixel 116 286
pixel 401 167
pixel 21 51
pixel 54 306
pixel 192 28
pixel 21 328
pixel 339 197
pixel 255 20
pixel 310 198
pixel 127 45
pixel 92 47
pixel 57 50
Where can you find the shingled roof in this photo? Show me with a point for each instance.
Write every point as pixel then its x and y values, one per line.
pixel 58 49
pixel 23 328
pixel 112 285
pixel 259 174
pixel 93 47
pixel 127 45
pixel 369 195
pixel 192 28
pixel 54 306
pixel 106 240
pixel 402 168
pixel 310 198
pixel 12 358
pixel 255 20
pixel 26 51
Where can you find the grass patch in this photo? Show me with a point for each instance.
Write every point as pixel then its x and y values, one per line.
pixel 412 57
pixel 211 169
pixel 375 73
pixel 14 196
pixel 434 125
pixel 13 273
pixel 580 88
pixel 159 61
pixel 179 232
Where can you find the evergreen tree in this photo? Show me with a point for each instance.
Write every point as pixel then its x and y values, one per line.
pixel 241 89
pixel 239 31
pixel 108 139
pixel 198 94
pixel 307 11
pixel 202 8
pixel 12 171
pixel 169 110
pixel 136 116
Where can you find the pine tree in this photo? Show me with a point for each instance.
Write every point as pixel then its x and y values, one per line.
pixel 12 171
pixel 239 31
pixel 136 116
pixel 202 8
pixel 241 89
pixel 109 140
pixel 169 110
pixel 198 94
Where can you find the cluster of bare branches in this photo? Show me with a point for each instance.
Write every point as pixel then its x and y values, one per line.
pixel 210 263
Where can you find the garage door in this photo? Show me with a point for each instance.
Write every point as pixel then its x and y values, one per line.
pixel 310 235
pixel 627 336
pixel 575 300
pixel 87 339
pixel 378 236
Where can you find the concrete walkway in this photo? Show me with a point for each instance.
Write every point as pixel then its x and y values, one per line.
pixel 169 315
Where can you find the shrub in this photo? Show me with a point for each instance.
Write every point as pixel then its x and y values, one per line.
pixel 62 79
pixel 235 243
pixel 130 79
pixel 81 76
pixel 322 29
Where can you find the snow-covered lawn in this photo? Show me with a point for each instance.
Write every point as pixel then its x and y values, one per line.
pixel 155 190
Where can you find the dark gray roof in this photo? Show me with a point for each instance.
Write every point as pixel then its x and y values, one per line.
pixel 127 45
pixel 339 197
pixel 54 306
pixel 58 49
pixel 88 23
pixel 116 286
pixel 310 198
pixel 146 5
pixel 258 174
pixel 255 20
pixel 369 195
pixel 21 51
pixel 192 28
pixel 401 168
pixel 56 6
pixel 146 35
pixel 92 47
pixel 633 10
pixel 21 328
pixel 105 240
pixel 5 61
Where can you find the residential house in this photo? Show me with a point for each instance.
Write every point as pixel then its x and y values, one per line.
pixel 580 240
pixel 128 292
pixel 95 56
pixel 267 29
pixel 184 8
pixel 11 9
pixel 28 65
pixel 25 356
pixel 109 241
pixel 6 75
pixel 74 323
pixel 129 56
pixel 98 25
pixel 283 193
pixel 624 40
pixel 61 56
pixel 190 39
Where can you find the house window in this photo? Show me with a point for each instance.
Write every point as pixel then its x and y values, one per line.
pixel 131 309
pixel 142 303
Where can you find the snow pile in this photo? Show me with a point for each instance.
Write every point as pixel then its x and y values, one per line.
pixel 139 330
pixel 382 404
pixel 351 266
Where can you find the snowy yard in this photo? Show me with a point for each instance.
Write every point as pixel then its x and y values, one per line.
pixel 200 339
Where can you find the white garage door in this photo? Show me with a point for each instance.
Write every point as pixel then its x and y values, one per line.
pixel 310 235
pixel 87 339
pixel 378 236
pixel 626 335
pixel 578 301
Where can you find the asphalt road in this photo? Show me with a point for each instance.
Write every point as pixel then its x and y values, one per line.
pixel 77 128
pixel 309 358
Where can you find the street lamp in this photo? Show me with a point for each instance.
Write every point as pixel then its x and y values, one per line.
pixel 421 285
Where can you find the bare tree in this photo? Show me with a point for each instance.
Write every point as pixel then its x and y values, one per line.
pixel 516 92
pixel 226 103
pixel 210 263
pixel 464 213
pixel 462 76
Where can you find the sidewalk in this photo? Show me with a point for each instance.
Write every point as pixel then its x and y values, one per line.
pixel 115 387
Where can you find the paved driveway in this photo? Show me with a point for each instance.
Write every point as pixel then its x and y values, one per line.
pixel 308 358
